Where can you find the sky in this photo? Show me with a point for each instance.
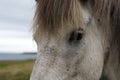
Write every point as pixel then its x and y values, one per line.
pixel 16 26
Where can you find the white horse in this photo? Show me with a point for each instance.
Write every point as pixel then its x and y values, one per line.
pixel 77 40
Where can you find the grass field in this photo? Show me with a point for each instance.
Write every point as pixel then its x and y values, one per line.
pixel 15 70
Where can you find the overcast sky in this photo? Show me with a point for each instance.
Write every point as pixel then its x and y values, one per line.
pixel 15 26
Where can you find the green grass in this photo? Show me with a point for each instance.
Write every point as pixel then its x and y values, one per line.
pixel 15 70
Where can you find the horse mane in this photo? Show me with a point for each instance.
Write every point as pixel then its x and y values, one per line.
pixel 109 14
pixel 110 9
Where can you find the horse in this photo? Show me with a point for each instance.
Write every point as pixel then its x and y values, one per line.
pixel 77 40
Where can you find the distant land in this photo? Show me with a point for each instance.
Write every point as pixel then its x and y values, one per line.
pixel 18 56
pixel 29 53
pixel 18 52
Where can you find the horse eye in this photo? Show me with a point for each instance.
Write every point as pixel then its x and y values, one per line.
pixel 79 36
pixel 76 36
pixel 72 38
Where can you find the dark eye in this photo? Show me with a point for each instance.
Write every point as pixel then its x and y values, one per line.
pixel 76 36
pixel 79 36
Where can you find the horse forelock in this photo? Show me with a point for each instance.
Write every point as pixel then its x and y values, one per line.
pixel 52 14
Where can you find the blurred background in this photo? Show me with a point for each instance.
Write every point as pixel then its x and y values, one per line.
pixel 17 48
